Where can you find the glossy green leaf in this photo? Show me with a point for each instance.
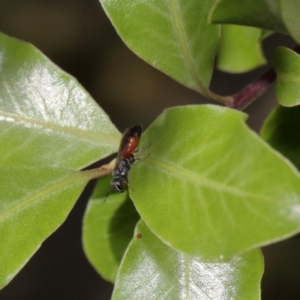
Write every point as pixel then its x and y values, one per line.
pixel 34 201
pixel 256 13
pixel 152 270
pixel 281 131
pixel 210 182
pixel 108 229
pixel 287 66
pixel 46 117
pixel 173 36
pixel 290 14
pixel 240 49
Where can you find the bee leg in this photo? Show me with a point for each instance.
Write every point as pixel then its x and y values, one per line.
pixel 141 157
pixel 141 149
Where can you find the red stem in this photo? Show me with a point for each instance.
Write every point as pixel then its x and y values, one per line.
pixel 251 92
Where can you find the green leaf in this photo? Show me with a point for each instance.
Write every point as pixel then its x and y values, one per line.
pixel 287 66
pixel 281 131
pixel 210 182
pixel 107 229
pixel 240 49
pixel 290 14
pixel 265 33
pixel 34 201
pixel 46 117
pixel 152 270
pixel 173 36
pixel 256 13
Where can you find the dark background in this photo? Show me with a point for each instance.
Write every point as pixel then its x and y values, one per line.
pixel 78 37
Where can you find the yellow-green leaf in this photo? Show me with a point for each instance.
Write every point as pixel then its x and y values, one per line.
pixel 211 187
pixel 151 270
pixel 107 229
pixel 172 36
pixel 240 49
pixel 46 117
pixel 34 201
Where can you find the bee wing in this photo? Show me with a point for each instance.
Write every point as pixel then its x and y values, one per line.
pixel 122 147
pixel 128 143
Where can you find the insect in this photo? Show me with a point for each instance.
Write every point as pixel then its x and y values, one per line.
pixel 125 158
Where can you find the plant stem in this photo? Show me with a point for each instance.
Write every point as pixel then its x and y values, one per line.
pixel 251 92
pixel 102 171
pixel 247 95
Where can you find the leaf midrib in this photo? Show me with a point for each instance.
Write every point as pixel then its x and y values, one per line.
pixel 178 26
pixel 46 191
pixel 194 177
pixel 96 136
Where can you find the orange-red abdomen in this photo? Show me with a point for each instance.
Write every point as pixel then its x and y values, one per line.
pixel 131 140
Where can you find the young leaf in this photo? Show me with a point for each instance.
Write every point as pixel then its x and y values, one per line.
pixel 46 117
pixel 173 36
pixel 287 66
pixel 211 187
pixel 152 270
pixel 290 14
pixel 256 13
pixel 240 49
pixel 34 201
pixel 107 229
pixel 281 131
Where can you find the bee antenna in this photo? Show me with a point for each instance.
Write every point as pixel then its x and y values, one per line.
pixel 107 195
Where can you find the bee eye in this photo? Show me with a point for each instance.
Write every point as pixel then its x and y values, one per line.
pixel 119 186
